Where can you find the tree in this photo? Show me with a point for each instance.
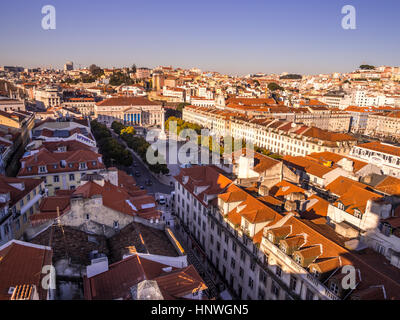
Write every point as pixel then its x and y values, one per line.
pixel 128 130
pixel 292 76
pixel 274 86
pixel 117 127
pixel 134 68
pixel 95 70
pixel 367 67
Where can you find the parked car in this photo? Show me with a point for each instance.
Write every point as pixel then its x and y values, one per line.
pixel 161 200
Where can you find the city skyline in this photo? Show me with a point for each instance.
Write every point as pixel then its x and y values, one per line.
pixel 149 35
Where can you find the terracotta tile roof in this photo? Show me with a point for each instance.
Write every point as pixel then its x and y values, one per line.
pixel 49 159
pixel 390 186
pixel 327 265
pixel 233 197
pixel 282 231
pixel 270 200
pixel 318 246
pixel 284 188
pixel 121 276
pixel 380 147
pixel 259 215
pixel 325 135
pixel 356 198
pixel 116 198
pixel 252 101
pixel 21 263
pixel 323 157
pixel 316 208
pixel 342 184
pixel 15 193
pixel 71 145
pixel 201 176
pixel 309 166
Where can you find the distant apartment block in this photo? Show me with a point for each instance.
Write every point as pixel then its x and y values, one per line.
pixel 385 156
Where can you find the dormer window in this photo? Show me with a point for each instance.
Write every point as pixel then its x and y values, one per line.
pixel 82 165
pixel 55 166
pixel 29 169
pixel 357 213
pixel 283 247
pixel 94 163
pixel 271 237
pixel 42 169
pixel 341 206
pixel 297 258
pixel 71 165
pixel 315 273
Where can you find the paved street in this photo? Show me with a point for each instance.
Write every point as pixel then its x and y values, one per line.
pixel 156 187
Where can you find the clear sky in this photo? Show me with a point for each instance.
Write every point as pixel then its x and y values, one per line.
pixel 229 36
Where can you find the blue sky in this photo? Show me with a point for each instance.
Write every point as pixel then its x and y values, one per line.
pixel 230 36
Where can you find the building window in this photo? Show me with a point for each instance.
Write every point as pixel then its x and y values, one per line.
pixel 334 288
pixel 251 283
pixel 72 177
pixel 233 263
pixel 261 294
pixel 234 246
pixel 315 273
pixel 278 270
pixel 274 289
pixel 116 224
pixel 56 178
pixel 293 283
pixel 263 278
pixel 241 272
pixel 309 294
pixel 242 256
